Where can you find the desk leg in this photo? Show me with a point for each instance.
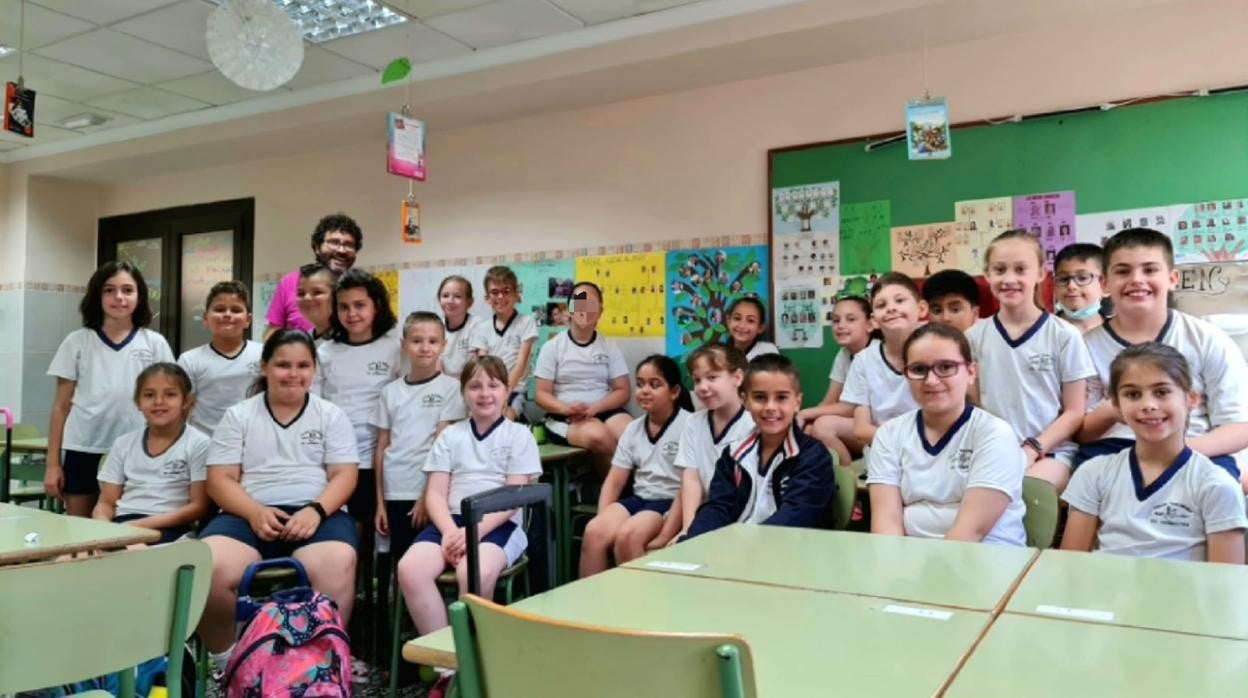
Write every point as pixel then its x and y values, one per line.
pixel 563 517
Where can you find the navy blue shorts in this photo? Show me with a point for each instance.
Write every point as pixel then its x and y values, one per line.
pixel 553 437
pixel 401 531
pixel 81 470
pixel 499 536
pixel 167 535
pixel 339 527
pixel 636 505
pixel 1105 447
pixel 363 502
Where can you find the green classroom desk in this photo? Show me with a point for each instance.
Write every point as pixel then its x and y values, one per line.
pixel 558 460
pixel 805 643
pixel 36 445
pixel 1180 597
pixel 944 573
pixel 60 535
pixel 1026 657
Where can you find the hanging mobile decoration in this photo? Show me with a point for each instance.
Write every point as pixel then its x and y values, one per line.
pixel 19 101
pixel 411 221
pixel 927 123
pixel 405 147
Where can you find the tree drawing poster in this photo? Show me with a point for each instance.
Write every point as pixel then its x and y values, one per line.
pixel 922 250
pixel 805 230
pixel 864 237
pixel 632 292
pixel 702 284
pixel 1050 217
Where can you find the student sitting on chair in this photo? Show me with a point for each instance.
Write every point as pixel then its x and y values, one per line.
pixel 1157 498
pixel 776 475
pixel 948 469
pixel 154 477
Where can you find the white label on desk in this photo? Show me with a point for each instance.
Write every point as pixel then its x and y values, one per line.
pixel 673 566
pixel 929 613
pixel 1079 613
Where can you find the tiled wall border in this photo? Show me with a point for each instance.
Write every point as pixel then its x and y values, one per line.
pixel 42 286
pixel 519 257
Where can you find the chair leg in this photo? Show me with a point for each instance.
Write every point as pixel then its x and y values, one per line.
pixel 730 681
pixel 125 683
pixel 468 678
pixel 177 633
pixel 396 630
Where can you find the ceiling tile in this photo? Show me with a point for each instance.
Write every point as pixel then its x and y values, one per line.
pixel 124 56
pixel 10 145
pixel 321 67
pixel 148 103
pixel 181 26
pixel 413 40
pixel 504 22
pixel 51 110
pixel 50 134
pixel 102 11
pixel 61 79
pixel 599 11
pixel 214 88
pixel 42 26
pixel 424 9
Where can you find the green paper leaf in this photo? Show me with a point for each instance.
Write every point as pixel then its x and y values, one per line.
pixel 397 70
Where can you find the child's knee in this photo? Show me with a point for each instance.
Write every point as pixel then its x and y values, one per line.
pixel 598 533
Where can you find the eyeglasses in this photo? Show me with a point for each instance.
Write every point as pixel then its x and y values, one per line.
pixel 500 292
pixel 339 244
pixel 942 369
pixel 1083 278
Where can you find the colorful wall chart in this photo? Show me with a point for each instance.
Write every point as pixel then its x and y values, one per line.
pixel 797 317
pixel 1211 231
pixel 1096 228
pixel 863 226
pixel 978 222
pixel 390 277
pixel 632 292
pixel 805 226
pixel 702 284
pixel 1050 217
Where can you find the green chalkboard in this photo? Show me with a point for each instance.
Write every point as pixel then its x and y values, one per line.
pixel 1167 152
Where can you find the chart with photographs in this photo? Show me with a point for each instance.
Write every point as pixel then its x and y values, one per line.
pixel 702 285
pixel 632 292
pixel 1211 231
pixel 1050 217
pixel 805 225
pixel 1096 228
pixel 978 222
pixel 798 324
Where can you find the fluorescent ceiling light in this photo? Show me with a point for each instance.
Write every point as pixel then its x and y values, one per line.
pixel 6 50
pixel 82 120
pixel 326 20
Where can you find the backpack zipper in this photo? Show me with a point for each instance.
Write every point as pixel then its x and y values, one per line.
pixel 277 636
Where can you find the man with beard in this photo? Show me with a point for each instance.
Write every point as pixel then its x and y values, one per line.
pixel 335 242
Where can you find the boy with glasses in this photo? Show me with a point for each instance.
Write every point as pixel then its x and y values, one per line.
pixel 510 336
pixel 1079 286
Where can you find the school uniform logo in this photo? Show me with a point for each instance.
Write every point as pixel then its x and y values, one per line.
pixel 501 455
pixel 254 368
pixel 1174 514
pixel 1042 363
pixel 461 344
pixel 175 467
pixel 670 449
pixel 143 355
pixel 512 341
pixel 432 401
pixel 311 437
pixel 601 359
pixel 961 460
pixel 379 368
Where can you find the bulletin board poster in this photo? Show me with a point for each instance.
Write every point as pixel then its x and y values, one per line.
pixel 1050 217
pixel 797 316
pixel 835 288
pixel 1096 228
pixel 805 230
pixel 265 290
pixel 1211 231
pixel 418 288
pixel 390 277
pixel 978 222
pixel 702 284
pixel 922 250
pixel 864 238
pixel 633 292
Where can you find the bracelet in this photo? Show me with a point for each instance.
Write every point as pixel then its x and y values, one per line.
pixel 316 506
pixel 1035 444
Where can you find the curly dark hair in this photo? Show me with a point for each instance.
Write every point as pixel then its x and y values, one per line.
pixel 337 221
pixel 92 305
pixel 383 318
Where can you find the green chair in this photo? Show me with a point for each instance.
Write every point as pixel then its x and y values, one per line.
pixel 506 652
pixel 1041 517
pixel 846 496
pixel 27 470
pixel 72 620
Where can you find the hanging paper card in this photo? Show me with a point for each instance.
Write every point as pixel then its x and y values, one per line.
pixel 805 228
pixel 411 222
pixel 927 129
pixel 978 222
pixel 864 237
pixel 1211 231
pixel 19 110
pixel 922 250
pixel 1050 217
pixel 797 317
pixel 702 284
pixel 405 148
pixel 632 292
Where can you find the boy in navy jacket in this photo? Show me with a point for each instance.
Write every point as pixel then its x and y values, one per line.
pixel 794 469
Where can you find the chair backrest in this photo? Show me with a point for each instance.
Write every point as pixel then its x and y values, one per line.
pixel 71 620
pixel 520 654
pixel 1041 517
pixel 846 496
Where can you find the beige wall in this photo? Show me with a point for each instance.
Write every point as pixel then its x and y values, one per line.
pixel 61 219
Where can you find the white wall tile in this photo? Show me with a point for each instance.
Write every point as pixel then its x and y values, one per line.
pixel 38 388
pixel 41 321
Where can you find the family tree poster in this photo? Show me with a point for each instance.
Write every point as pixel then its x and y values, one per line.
pixel 702 284
pixel 978 222
pixel 632 292
pixel 922 250
pixel 805 230
pixel 864 237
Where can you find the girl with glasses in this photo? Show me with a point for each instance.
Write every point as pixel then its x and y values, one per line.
pixel 948 469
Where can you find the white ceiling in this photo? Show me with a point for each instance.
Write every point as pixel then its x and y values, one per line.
pixel 137 61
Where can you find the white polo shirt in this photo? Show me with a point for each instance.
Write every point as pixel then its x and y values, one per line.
pixel 701 447
pixel 155 484
pixel 352 375
pixel 580 372
pixel 652 458
pixel 412 412
pixel 873 382
pixel 479 462
pixel 220 381
pixel 504 343
pixel 458 344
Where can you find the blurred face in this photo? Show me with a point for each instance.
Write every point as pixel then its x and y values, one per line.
pixel 1078 284
pixel 162 401
pixel 745 325
pixel 120 297
pixel 337 251
pixel 773 399
pixel 1152 404
pixel 288 373
pixel 1014 272
pixel 586 308
pixel 946 375
pixel 654 393
pixel 1139 279
pixel 423 344
pixel 356 312
pixel 315 299
pixel 454 301
pixel 850 325
pixel 227 316
pixel 485 396
pixel 715 387
pixel 502 298
pixel 954 311
pixel 896 310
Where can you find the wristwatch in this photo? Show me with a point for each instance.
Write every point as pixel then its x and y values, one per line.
pixel 1034 443
pixel 316 506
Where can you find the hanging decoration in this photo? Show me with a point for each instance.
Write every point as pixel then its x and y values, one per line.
pixel 927 122
pixel 254 43
pixel 411 221
pixel 19 101
pixel 405 146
